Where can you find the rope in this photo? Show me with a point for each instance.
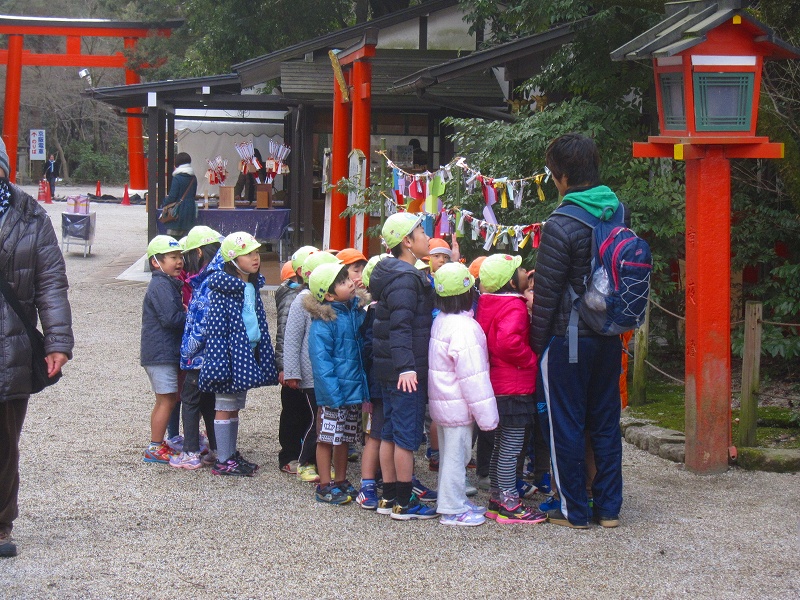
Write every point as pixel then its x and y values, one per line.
pixel 657 305
pixel 781 324
pixel 675 379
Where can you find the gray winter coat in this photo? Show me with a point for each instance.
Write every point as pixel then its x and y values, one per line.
pixel 284 296
pixel 296 362
pixel 31 262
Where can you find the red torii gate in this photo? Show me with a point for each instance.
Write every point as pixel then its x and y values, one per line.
pixel 15 57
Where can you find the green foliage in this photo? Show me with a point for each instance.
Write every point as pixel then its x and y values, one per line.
pixel 90 165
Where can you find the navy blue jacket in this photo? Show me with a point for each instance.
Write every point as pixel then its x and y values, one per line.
pixel 230 365
pixel 403 318
pixel 163 318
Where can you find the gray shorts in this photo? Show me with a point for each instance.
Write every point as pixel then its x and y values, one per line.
pixel 163 378
pixel 338 426
pixel 230 402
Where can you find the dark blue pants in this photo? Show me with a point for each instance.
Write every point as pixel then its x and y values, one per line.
pixel 584 396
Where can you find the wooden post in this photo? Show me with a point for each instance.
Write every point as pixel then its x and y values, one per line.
pixel 751 365
pixel 383 182
pixel 638 391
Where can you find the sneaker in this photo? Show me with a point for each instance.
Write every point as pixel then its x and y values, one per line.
pixel 347 488
pixel 481 510
pixel 413 511
pixel 308 473
pixel 465 519
pixel 186 460
pixel 514 511
pixel 470 490
pixel 543 485
pixel 525 489
pixel 493 509
pixel 209 458
pixel 552 503
pixel 244 462
pixel 528 473
pixel 608 522
pixel 433 459
pixel 352 454
pixel 556 517
pixel 176 443
pixel 472 464
pixel 8 548
pixel 385 506
pixel 425 494
pixel 368 497
pixel 231 467
pixel 484 483
pixel 289 468
pixel 158 454
pixel 331 494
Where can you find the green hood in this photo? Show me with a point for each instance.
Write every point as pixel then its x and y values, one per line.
pixel 599 201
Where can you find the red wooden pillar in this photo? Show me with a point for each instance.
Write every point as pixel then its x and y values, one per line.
pixel 137 162
pixel 362 126
pixel 708 284
pixel 339 164
pixel 11 114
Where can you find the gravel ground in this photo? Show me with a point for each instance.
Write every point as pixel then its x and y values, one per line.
pixel 96 522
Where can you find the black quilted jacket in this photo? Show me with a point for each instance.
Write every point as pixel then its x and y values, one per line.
pixel 564 258
pixel 31 262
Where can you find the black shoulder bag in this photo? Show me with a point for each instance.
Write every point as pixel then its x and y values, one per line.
pixel 39 378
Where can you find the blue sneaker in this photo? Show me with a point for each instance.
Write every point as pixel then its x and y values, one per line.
pixel 543 485
pixel 481 510
pixel 552 503
pixel 414 510
pixel 331 494
pixel 368 497
pixel 425 494
pixel 465 519
pixel 525 489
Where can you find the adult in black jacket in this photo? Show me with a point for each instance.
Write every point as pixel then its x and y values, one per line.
pixel 584 396
pixel 32 264
pixel 401 333
pixel 51 174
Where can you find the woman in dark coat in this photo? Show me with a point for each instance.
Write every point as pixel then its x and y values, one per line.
pixel 183 188
pixel 32 264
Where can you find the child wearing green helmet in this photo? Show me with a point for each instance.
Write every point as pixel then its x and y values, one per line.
pixel 459 390
pixel 199 249
pixel 340 384
pixel 163 318
pixel 238 348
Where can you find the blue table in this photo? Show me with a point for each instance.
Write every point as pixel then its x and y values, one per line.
pixel 266 224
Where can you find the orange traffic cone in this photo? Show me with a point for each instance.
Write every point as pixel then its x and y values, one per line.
pixel 126 199
pixel 48 197
pixel 97 192
pixel 43 189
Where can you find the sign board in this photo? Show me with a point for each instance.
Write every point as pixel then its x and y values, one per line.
pixel 38 146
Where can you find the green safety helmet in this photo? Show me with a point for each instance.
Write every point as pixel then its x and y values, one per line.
pixel 421 265
pixel 238 244
pixel 398 226
pixel 163 244
pixel 322 278
pixel 300 256
pixel 315 259
pixel 182 243
pixel 370 266
pixel 497 270
pixel 452 279
pixel 199 236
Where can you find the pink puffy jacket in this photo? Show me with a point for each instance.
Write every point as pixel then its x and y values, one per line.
pixel 459 389
pixel 504 319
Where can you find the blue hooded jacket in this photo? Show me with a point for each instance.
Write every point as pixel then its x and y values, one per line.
pixel 193 343
pixel 335 346
pixel 230 365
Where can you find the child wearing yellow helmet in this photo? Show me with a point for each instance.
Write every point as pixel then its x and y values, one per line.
pixel 238 348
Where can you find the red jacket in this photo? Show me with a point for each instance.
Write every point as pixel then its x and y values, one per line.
pixel 512 363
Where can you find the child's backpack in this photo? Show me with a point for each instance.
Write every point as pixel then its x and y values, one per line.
pixel 618 286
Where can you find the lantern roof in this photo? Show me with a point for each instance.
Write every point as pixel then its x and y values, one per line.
pixel 687 23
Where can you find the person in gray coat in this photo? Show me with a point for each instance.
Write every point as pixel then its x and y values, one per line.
pixel 32 263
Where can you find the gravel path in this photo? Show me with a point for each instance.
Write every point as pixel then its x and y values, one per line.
pixel 96 522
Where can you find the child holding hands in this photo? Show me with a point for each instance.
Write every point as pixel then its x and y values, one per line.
pixel 459 390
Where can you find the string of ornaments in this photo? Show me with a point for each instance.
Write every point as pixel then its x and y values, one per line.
pixel 421 193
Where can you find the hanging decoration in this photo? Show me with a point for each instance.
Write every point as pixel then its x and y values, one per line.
pixel 217 171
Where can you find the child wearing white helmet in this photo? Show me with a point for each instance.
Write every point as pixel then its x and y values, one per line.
pixel 163 318
pixel 238 348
